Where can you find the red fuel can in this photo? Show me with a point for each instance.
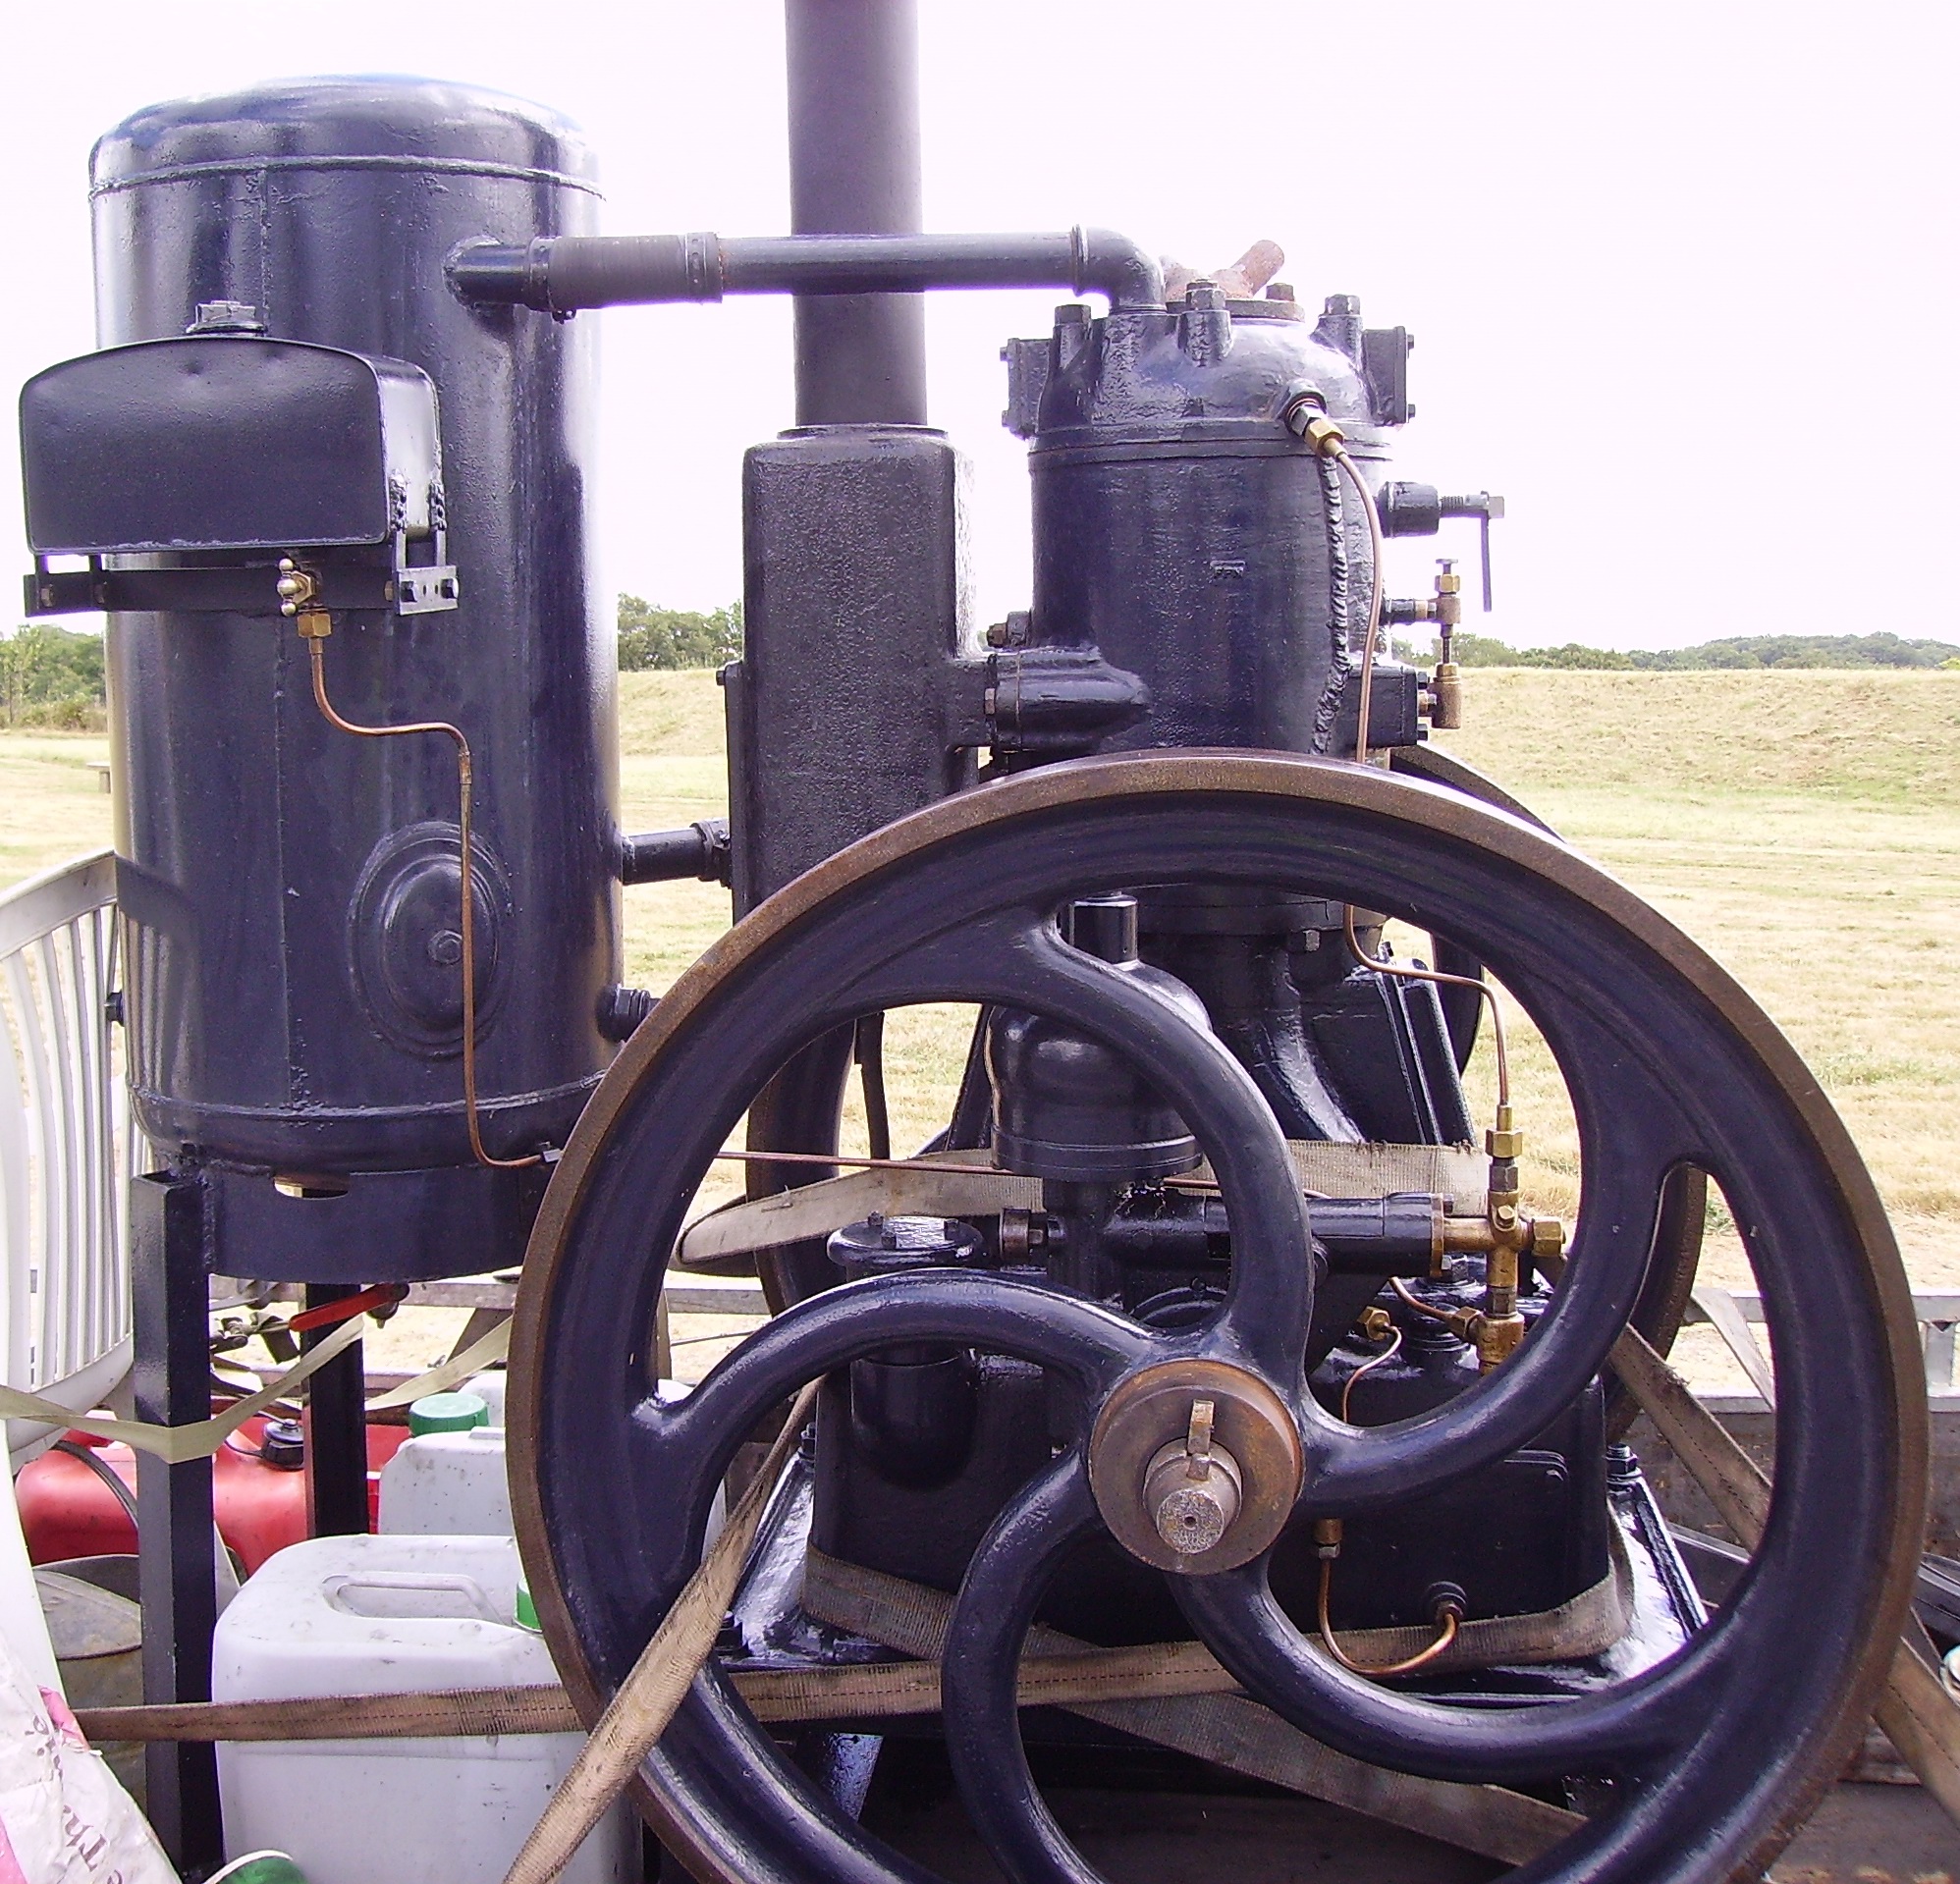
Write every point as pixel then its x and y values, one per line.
pixel 67 1511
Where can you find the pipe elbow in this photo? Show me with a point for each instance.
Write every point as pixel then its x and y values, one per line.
pixel 1114 265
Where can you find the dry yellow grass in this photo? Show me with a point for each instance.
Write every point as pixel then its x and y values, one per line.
pixel 1804 827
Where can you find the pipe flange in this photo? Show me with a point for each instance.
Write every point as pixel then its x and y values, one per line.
pixel 1150 1416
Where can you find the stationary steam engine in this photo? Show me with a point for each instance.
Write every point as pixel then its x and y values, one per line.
pixel 1218 1310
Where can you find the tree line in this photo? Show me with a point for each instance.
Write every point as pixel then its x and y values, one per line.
pixel 51 676
pixel 653 637
pixel 1880 650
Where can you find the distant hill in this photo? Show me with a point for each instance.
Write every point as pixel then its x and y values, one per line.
pixel 1881 650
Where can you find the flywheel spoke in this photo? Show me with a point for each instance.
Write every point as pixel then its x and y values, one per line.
pixel 1017 957
pixel 1003 1584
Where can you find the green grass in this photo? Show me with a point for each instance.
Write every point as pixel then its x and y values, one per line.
pixel 1804 827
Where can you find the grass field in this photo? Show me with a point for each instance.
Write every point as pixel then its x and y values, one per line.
pixel 1803 826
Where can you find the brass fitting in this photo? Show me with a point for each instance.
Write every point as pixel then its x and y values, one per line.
pixel 298 591
pixel 1446 696
pixel 1497 1340
pixel 1448 606
pixel 1305 416
pixel 1548 1239
pixel 1504 1141
pixel 1323 434
pixel 1374 1324
pixel 1326 1537
pixel 296 587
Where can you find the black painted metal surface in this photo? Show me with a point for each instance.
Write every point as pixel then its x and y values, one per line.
pixel 144 447
pixel 853 617
pixel 295 999
pixel 853 95
pixel 1183 529
pixel 170 1262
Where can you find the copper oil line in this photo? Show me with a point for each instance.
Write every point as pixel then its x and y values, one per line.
pixel 861 1163
pixel 1381 1360
pixel 1330 1546
pixel 1410 971
pixel 1410 1300
pixel 464 781
pixel 1445 1634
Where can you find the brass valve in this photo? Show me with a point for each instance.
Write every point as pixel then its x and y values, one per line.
pixel 1501 1327
pixel 1444 695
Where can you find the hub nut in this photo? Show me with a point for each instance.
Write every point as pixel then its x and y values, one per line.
pixel 1196 1464
pixel 1191 1500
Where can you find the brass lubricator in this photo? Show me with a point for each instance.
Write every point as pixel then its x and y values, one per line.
pixel 299 592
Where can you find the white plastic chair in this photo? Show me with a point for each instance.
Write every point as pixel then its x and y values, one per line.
pixel 67 1144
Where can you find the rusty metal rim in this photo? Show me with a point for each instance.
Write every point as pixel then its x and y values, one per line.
pixel 1135 779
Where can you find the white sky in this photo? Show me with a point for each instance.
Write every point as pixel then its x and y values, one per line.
pixel 1680 274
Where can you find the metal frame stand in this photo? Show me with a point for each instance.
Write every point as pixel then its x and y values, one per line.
pixel 336 1429
pixel 170 1244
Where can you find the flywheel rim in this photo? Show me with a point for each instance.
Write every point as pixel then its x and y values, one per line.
pixel 1139 785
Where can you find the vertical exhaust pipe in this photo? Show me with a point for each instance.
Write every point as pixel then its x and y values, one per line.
pixel 853 67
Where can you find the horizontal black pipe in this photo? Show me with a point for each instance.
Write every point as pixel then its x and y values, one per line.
pixel 700 850
pixel 558 275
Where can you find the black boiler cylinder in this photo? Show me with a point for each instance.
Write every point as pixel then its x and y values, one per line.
pixel 291 892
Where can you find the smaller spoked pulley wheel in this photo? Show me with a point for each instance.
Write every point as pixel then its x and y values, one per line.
pixel 1713 1753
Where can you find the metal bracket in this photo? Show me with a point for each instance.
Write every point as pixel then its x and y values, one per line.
pixel 239 588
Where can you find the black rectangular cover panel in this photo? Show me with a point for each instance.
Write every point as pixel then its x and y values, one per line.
pixel 217 442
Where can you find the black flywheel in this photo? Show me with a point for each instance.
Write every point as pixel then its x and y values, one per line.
pixel 1707 1758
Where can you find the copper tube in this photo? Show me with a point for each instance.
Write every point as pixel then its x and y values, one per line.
pixel 863 1164
pixel 1445 1634
pixel 467 879
pixel 1500 1048
pixel 1412 1301
pixel 1387 1355
pixel 1365 696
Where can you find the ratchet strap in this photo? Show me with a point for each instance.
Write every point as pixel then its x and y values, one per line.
pixel 1227 1730
pixel 202 1437
pixel 645 1702
pixel 850 1691
pixel 1917 1715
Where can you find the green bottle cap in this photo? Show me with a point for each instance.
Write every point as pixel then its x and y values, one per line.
pixel 527 1611
pixel 448 1412
pixel 260 1867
